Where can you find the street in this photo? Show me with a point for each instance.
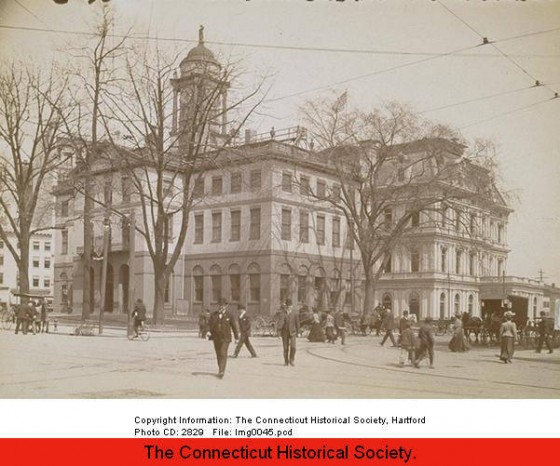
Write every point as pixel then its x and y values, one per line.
pixel 180 365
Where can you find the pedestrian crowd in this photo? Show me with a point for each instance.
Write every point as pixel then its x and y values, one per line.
pixel 32 316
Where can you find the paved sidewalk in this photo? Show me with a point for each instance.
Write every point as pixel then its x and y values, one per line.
pixel 180 365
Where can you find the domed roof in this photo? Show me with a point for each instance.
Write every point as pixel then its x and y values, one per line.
pixel 200 52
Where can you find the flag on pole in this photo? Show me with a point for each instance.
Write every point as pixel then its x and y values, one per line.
pixel 341 101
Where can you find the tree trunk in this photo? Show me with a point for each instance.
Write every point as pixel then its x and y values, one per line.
pixel 159 294
pixel 23 265
pixel 369 298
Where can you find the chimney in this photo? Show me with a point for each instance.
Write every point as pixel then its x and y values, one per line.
pixel 249 134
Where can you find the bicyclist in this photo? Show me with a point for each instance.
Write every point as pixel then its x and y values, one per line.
pixel 139 315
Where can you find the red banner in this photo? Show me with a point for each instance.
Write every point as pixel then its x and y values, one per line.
pixel 138 452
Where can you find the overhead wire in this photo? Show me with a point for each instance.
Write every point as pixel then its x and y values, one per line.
pixel 289 47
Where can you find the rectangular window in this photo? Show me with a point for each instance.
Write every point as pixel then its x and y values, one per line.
pixel 168 187
pixel 414 261
pixel 36 245
pixel 198 228
pixel 169 227
pixel 387 216
pixel 348 294
pixel 336 232
pixel 471 264
pixel 198 288
pixel 235 225
pixel 108 192
pixel 236 180
pixel 1 260
pixel 36 262
pixel 284 287
pixel 1 244
pixel 349 237
pixel 64 208
pixel 64 247
pixel 304 227
pixel 216 288
pixel 47 262
pixel 302 289
pixel 46 282
pixel 286 233
pixel 235 286
pixel 415 219
pixel 255 180
pixel 443 260
pixel 255 229
pixel 254 287
pixel 35 282
pixel 336 193
pixel 125 189
pixel 320 229
pixel 389 265
pixel 287 182
pixel 458 259
pixel 198 190
pixel 321 189
pixel 217 186
pixel 47 246
pixel 216 227
pixel 1 278
pixel 304 186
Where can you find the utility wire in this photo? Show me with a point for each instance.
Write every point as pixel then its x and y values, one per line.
pixel 30 12
pixel 509 112
pixel 485 41
pixel 288 47
pixel 477 99
pixel 367 75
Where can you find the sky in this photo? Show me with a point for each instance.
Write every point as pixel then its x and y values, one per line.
pixel 428 54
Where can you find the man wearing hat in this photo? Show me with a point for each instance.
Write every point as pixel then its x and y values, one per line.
pixel 245 332
pixel 220 325
pixel 288 329
pixel 545 332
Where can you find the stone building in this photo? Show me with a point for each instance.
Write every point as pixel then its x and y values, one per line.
pixel 261 231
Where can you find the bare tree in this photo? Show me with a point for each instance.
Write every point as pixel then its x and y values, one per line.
pixel 390 167
pixel 31 114
pixel 94 79
pixel 163 151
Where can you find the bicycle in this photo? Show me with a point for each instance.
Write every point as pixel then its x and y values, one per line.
pixel 143 333
pixel 87 328
pixel 8 318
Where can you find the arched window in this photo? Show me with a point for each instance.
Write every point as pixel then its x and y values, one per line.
pixel 254 273
pixel 216 276
pixel 198 283
pixel 471 304
pixel 457 303
pixel 414 304
pixel 235 283
pixel 442 306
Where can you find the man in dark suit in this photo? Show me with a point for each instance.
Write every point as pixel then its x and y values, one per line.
pixel 245 333
pixel 221 324
pixel 288 328
pixel 545 332
pixel 21 318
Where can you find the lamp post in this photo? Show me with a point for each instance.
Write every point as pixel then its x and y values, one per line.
pixel 106 232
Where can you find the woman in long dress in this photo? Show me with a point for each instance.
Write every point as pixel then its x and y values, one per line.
pixel 316 333
pixel 508 334
pixel 458 343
